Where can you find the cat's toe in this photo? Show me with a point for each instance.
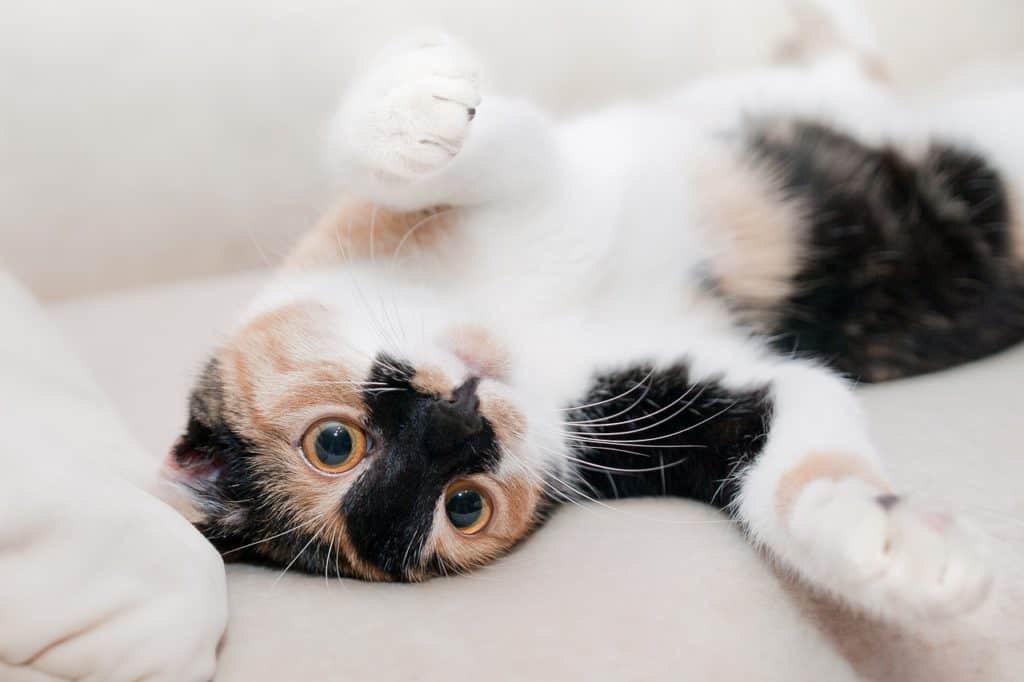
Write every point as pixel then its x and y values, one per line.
pixel 889 555
pixel 939 563
pixel 411 114
pixel 436 116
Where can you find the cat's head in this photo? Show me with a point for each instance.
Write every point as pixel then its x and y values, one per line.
pixel 321 438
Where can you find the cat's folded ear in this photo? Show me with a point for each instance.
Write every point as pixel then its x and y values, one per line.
pixel 206 458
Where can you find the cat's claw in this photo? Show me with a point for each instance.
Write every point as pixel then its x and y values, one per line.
pixel 888 555
pixel 410 115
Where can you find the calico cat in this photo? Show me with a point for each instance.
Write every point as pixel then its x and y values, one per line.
pixel 663 298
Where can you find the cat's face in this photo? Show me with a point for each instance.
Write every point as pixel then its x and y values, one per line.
pixel 310 445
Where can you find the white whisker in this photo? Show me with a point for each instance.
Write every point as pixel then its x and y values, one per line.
pixel 613 398
pixel 661 421
pixel 272 537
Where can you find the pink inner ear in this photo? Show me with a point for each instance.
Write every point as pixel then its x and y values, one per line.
pixel 180 488
pixel 190 470
pixel 169 466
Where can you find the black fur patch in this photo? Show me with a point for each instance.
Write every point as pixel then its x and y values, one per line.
pixel 389 510
pixel 215 461
pixel 907 266
pixel 646 432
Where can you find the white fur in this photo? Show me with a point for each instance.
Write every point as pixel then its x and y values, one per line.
pixel 574 248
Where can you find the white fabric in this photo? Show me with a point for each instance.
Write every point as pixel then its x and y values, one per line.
pixel 98 579
pixel 649 590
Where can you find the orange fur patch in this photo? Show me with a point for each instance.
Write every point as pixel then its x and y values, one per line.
pixel 505 418
pixel 817 466
pixel 432 381
pixel 271 359
pixel 358 229
pixel 755 231
pixel 328 385
pixel 479 350
pixel 514 500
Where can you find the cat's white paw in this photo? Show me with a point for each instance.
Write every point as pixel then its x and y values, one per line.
pixel 886 554
pixel 411 113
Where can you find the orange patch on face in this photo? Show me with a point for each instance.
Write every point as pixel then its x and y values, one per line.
pixel 276 336
pixel 358 229
pixel 280 363
pixel 478 350
pixel 816 466
pixel 514 500
pixel 431 381
pixel 330 384
pixel 505 418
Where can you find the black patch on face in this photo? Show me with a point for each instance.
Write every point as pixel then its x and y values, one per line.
pixel 658 433
pixel 908 265
pixel 427 441
pixel 214 459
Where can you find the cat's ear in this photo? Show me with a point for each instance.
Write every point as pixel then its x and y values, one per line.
pixel 205 458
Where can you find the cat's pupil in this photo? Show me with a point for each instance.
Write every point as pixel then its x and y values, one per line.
pixel 464 508
pixel 333 444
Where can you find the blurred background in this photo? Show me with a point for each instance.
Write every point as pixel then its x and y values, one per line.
pixel 143 142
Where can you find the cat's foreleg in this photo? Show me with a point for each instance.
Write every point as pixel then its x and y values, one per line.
pixel 414 132
pixel 817 497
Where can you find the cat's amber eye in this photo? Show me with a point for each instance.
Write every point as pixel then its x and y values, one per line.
pixel 333 446
pixel 468 507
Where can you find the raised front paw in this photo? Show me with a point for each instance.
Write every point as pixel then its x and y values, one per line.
pixel 410 115
pixel 887 554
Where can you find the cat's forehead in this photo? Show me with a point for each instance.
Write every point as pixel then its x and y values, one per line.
pixel 286 332
pixel 286 360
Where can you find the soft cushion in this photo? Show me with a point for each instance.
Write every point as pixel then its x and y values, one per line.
pixel 655 589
